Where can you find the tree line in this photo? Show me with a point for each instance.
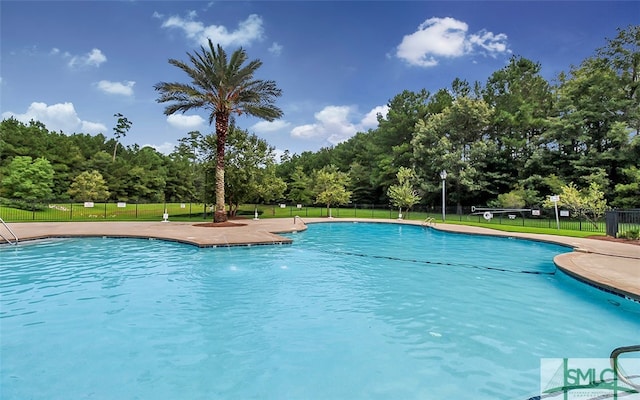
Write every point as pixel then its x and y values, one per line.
pixel 511 141
pixel 517 138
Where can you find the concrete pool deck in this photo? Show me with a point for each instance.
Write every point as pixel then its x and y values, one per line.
pixel 609 265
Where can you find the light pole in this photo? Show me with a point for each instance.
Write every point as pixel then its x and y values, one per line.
pixel 443 176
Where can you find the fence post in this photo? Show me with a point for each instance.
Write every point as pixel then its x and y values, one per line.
pixel 71 211
pixel 33 211
pixel 105 209
pixel 611 221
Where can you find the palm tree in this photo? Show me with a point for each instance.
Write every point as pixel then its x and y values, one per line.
pixel 223 87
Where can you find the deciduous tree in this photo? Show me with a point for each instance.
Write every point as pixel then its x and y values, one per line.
pixel 588 203
pixel 89 186
pixel 28 179
pixel 402 194
pixel 330 186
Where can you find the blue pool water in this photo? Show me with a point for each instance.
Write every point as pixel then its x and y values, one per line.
pixel 348 311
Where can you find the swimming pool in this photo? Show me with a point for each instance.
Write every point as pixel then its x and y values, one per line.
pixel 347 311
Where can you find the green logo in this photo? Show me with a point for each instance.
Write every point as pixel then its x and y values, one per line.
pixel 588 378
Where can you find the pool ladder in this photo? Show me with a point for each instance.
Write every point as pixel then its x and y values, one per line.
pixel 429 222
pixel 4 224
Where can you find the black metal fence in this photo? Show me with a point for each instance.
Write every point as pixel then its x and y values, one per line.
pixel 621 221
pixel 11 211
pixel 536 218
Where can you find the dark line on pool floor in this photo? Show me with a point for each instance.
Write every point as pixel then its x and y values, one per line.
pixel 446 264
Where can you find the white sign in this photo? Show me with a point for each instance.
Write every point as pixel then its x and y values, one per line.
pixel 122 204
pixel 564 213
pixel 88 204
pixel 554 199
pixel 535 212
pixel 183 205
pixel 283 206
pixel 299 206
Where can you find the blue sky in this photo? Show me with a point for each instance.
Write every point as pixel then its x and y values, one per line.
pixel 74 64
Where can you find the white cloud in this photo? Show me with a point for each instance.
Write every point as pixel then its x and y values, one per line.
pixel 306 131
pixel 490 42
pixel 448 38
pixel 266 126
pixel 334 124
pixel 371 119
pixel 165 148
pixel 57 117
pixel 185 121
pixel 123 88
pixel 275 49
pixel 247 31
pixel 278 153
pixel 92 59
pixel 92 127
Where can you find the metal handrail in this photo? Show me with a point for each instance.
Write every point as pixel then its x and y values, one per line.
pixel 614 363
pixel 10 231
pixel 429 221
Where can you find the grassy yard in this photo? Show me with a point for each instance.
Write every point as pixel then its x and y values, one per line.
pixel 103 212
pixel 525 225
pixel 196 212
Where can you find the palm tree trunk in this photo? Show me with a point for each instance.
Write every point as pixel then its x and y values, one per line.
pixel 222 125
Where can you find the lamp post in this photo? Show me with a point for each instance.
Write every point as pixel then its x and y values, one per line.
pixel 443 176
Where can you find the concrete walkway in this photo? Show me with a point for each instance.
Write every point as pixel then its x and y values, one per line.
pixel 609 265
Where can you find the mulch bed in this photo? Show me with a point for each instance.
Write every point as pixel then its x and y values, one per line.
pixel 612 239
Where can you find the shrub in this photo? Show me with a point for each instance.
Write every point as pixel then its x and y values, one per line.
pixel 632 234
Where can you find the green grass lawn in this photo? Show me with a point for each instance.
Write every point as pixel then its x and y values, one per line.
pixel 196 212
pixel 531 229
pixel 104 212
pixel 542 226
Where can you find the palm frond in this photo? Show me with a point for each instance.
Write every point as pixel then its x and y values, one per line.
pixel 220 84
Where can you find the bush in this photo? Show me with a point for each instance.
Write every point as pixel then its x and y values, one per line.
pixel 23 204
pixel 632 234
